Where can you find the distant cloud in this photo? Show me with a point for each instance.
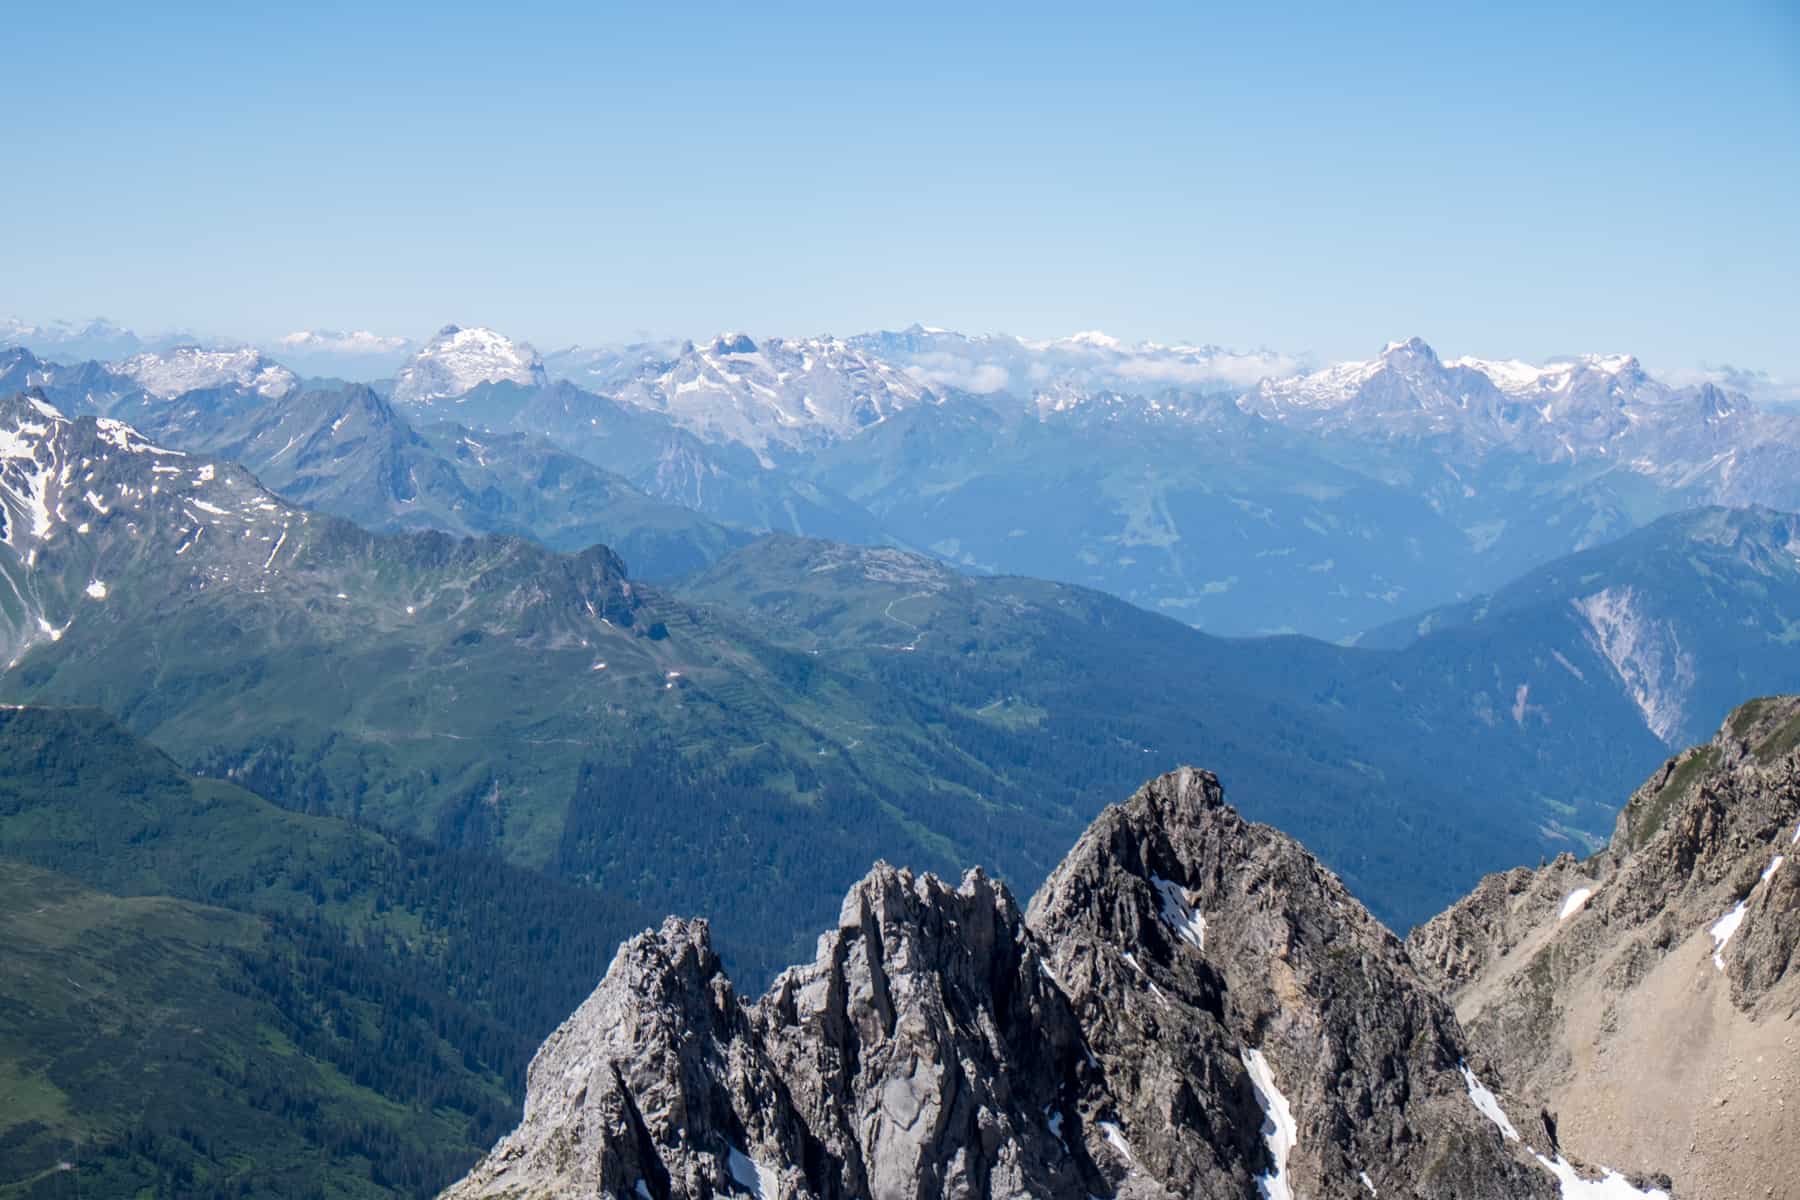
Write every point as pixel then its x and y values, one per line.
pixel 1234 369
pixel 949 370
pixel 1765 389
pixel 359 341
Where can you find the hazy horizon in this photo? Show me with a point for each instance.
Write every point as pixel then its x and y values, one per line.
pixel 1506 184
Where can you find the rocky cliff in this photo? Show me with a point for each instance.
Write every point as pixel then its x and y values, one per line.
pixel 1650 995
pixel 1191 1006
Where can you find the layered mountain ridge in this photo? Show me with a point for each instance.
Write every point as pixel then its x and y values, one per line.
pixel 1190 1006
pixel 1226 489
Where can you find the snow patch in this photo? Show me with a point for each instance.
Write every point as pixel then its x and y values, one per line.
pixel 1279 1131
pixel 1179 913
pixel 1367 1182
pixel 1722 930
pixel 1116 1139
pixel 96 589
pixel 1574 902
pixel 1727 925
pixel 1610 1186
pixel 752 1176
pixel 1488 1105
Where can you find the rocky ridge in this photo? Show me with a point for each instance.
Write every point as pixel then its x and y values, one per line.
pixel 1649 993
pixel 1190 1006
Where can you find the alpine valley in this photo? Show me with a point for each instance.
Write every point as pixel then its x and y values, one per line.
pixel 364 693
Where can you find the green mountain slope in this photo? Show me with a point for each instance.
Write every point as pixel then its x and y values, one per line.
pixel 1342 746
pixel 207 994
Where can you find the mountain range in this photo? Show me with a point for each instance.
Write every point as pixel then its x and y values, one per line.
pixel 1229 490
pixel 492 693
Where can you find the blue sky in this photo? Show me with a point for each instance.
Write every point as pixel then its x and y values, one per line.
pixel 1516 181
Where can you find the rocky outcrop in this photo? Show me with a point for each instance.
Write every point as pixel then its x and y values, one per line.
pixel 1195 944
pixel 1648 995
pixel 1192 1006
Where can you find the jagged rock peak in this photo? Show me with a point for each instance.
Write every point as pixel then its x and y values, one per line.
pixel 1192 1006
pixel 734 343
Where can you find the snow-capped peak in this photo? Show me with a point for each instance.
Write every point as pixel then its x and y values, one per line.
pixel 1522 380
pixel 1410 348
pixel 777 393
pixel 459 359
pixel 186 368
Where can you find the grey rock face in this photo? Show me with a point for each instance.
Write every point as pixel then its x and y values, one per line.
pixel 1287 964
pixel 1647 994
pixel 1193 1007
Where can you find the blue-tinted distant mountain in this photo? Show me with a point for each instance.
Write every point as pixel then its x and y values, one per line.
pixel 1595 409
pixel 1683 618
pixel 605 367
pixel 778 397
pixel 73 341
pixel 1325 502
pixel 723 479
pixel 346 451
pixel 76 388
pixel 98 339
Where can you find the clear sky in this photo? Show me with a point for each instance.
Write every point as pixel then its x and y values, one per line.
pixel 1512 181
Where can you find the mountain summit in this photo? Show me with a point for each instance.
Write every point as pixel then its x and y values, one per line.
pixel 458 360
pixel 778 394
pixel 187 368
